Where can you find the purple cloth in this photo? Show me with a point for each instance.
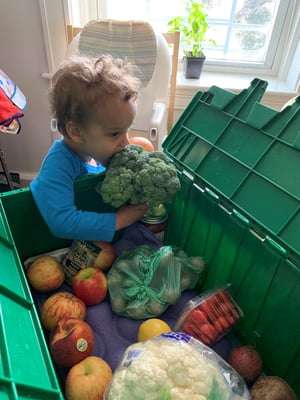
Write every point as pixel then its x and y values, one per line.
pixel 113 333
pixel 136 235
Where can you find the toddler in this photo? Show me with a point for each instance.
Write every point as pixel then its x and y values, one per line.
pixel 94 103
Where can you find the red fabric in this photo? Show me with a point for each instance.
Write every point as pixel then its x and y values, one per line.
pixel 8 111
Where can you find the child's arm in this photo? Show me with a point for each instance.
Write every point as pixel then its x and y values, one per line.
pixel 53 191
pixel 57 207
pixel 129 214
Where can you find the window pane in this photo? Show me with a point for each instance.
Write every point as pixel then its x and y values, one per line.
pixel 243 30
pixel 240 28
pixel 157 12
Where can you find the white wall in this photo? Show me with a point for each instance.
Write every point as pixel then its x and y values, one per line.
pixel 24 59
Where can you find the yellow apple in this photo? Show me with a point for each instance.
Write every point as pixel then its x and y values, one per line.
pixel 61 305
pixel 88 379
pixel 106 256
pixel 45 274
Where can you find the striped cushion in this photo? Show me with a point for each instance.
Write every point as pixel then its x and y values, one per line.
pixel 133 40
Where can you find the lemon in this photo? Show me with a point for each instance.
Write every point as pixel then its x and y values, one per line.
pixel 152 327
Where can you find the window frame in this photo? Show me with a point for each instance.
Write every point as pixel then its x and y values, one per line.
pixel 278 60
pixel 271 66
pixel 284 77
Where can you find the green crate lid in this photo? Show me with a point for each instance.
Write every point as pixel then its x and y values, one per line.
pixel 26 369
pixel 247 156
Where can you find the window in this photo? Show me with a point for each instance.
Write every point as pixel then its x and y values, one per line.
pixel 250 35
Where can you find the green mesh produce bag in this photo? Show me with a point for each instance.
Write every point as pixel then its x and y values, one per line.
pixel 143 281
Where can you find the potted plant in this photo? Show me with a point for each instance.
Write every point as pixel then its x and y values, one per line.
pixel 193 30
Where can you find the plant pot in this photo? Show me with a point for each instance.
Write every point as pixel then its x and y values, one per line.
pixel 192 67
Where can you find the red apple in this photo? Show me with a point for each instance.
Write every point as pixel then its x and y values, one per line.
pixel 71 341
pixel 106 256
pixel 88 379
pixel 90 285
pixel 61 305
pixel 45 274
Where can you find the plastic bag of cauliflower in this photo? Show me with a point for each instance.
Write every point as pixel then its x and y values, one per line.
pixel 174 366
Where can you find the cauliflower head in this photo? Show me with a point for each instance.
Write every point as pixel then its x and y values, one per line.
pixel 168 368
pixel 137 176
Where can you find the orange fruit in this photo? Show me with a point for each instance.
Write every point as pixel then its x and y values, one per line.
pixel 151 328
pixel 142 141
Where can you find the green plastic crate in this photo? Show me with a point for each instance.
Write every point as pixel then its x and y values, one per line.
pixel 250 161
pixel 26 370
pixel 238 207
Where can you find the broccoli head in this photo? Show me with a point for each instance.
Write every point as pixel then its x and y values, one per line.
pixel 137 176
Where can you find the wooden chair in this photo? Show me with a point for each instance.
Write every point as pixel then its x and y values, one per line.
pixel 290 102
pixel 173 39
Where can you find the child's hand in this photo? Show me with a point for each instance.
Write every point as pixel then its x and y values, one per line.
pixel 129 214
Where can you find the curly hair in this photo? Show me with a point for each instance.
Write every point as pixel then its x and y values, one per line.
pixel 81 83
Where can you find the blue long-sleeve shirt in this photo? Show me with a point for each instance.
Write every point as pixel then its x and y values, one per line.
pixel 53 192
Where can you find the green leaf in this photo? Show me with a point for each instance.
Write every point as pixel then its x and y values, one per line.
pixel 165 393
pixel 193 29
pixel 215 394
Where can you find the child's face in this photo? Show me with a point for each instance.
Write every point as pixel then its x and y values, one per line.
pixel 107 134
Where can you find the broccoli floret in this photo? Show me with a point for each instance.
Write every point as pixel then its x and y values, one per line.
pixel 117 189
pixel 160 181
pixel 137 176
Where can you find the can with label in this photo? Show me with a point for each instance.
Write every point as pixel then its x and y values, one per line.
pixel 156 225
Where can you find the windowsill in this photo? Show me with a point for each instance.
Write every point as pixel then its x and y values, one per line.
pixel 226 81
pixel 276 96
pixel 231 82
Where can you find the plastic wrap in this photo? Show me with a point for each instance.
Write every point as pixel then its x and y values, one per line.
pixel 143 281
pixel 209 316
pixel 174 366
